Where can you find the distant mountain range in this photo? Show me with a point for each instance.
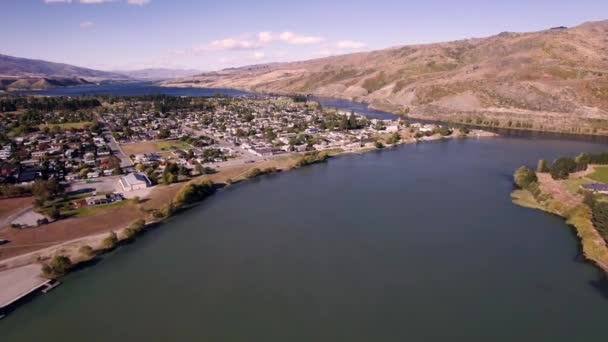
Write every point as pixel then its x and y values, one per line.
pixel 31 74
pixel 554 78
pixel 155 74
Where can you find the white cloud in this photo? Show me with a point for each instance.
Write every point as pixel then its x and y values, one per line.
pixel 94 1
pixel 259 55
pixel 232 44
pixel 56 1
pixel 265 37
pixel 289 38
pixel 138 2
pixel 350 45
pixel 86 25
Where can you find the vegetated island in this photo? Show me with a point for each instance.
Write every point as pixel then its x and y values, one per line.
pixel 184 148
pixel 575 189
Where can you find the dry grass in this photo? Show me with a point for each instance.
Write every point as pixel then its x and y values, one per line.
pixel 11 206
pixel 33 239
pixel 140 147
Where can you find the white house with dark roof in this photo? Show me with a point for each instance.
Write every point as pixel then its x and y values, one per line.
pixel 133 181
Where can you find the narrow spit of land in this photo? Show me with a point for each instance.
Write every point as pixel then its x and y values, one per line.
pixel 573 196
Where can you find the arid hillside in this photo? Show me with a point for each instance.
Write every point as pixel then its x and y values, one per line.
pixel 555 79
pixel 31 74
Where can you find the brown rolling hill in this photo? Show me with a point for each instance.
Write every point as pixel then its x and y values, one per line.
pixel 31 74
pixel 555 79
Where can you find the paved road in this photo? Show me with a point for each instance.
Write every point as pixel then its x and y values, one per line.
pixel 17 282
pixel 125 161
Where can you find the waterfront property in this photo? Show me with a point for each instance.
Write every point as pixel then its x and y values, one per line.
pixel 133 181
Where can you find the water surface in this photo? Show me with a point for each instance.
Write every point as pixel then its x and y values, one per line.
pixel 419 243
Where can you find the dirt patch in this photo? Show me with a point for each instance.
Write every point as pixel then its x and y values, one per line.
pixel 32 239
pixel 11 206
pixel 558 191
pixel 139 147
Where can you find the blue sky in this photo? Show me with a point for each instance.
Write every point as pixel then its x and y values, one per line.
pixel 209 35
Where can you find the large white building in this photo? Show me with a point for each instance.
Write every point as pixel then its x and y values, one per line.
pixel 133 181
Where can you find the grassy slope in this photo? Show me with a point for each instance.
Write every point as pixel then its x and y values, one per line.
pixel 578 216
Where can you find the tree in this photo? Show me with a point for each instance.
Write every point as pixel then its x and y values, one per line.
pixel 129 233
pixel 393 139
pixel 84 172
pixel 46 190
pixel 444 131
pixel 582 160
pixel 140 167
pixel 542 166
pixel 138 225
pixel 110 241
pixel 54 213
pixel 562 168
pixel 86 251
pixel 59 266
pixel 524 177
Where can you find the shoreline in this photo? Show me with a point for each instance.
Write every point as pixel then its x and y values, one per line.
pixel 391 112
pixel 578 217
pixel 71 247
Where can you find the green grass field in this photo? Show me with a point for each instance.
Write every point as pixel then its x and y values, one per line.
pixel 574 185
pixel 68 125
pixel 600 174
pixel 90 211
pixel 173 145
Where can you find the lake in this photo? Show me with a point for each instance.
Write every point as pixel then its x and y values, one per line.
pixel 416 243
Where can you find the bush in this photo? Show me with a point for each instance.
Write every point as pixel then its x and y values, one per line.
pixel 563 167
pixel 129 233
pixel 393 139
pixel 312 158
pixel 524 177
pixel 194 192
pixel 86 251
pixel 542 166
pixel 59 266
pixel 110 241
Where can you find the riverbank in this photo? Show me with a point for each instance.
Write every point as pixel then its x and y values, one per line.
pixel 153 210
pixel 564 199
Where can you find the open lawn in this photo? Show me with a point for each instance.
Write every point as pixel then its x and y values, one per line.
pixel 98 209
pixel 573 185
pixel 173 145
pixel 69 125
pixel 600 174
pixel 154 146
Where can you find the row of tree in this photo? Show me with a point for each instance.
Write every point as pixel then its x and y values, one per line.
pixel 562 167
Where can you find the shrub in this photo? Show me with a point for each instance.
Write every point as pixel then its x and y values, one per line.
pixel 194 192
pixel 542 166
pixel 524 177
pixel 110 241
pixel 562 168
pixel 59 266
pixel 86 251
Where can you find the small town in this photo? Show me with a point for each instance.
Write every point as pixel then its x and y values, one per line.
pixel 122 149
pixel 75 167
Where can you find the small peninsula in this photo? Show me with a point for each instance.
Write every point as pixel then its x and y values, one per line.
pixel 575 189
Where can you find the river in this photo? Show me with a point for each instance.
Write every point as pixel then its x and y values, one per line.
pixel 416 243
